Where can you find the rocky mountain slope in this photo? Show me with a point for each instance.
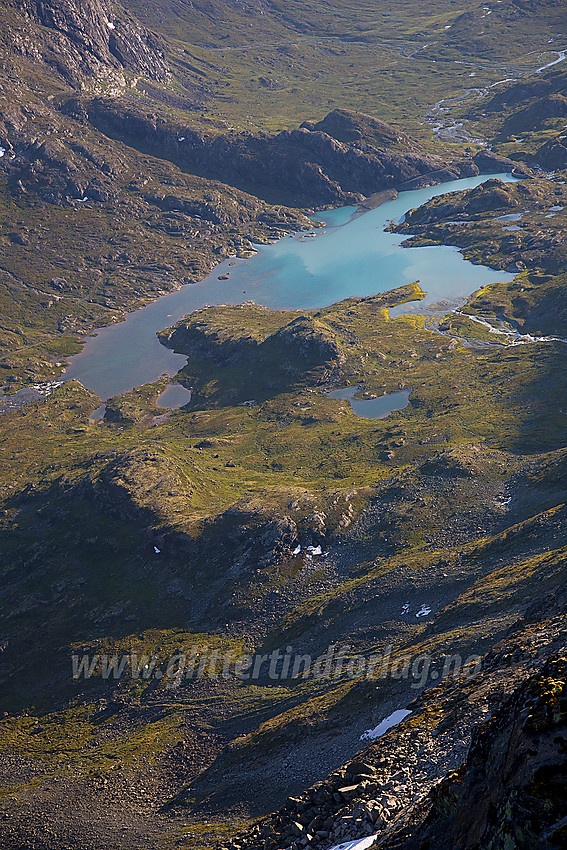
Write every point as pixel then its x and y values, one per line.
pixel 419 509
pixel 84 42
pixel 507 792
pixel 139 145
pixel 303 167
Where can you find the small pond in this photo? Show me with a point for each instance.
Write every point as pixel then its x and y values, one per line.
pixel 373 408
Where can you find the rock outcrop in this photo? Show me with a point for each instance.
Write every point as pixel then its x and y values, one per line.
pixel 552 155
pixel 84 39
pixel 353 127
pixel 302 167
pixel 303 346
pixel 502 773
pixel 510 790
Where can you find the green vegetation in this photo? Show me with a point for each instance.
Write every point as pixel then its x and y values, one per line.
pixel 151 533
pixel 206 486
pixel 263 71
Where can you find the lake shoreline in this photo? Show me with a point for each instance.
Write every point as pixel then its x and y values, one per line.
pixel 256 280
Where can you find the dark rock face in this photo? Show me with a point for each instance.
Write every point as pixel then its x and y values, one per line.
pixel 83 37
pixel 302 167
pixel 352 127
pixel 488 162
pixel 553 154
pixel 198 341
pixel 510 791
pixel 491 195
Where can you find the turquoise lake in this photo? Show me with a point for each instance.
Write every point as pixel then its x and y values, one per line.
pixel 352 256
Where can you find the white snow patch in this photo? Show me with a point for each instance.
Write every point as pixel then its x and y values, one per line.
pixel 181 139
pixel 110 25
pixel 156 550
pixel 2 151
pixel 359 844
pixel 388 722
pixel 507 80
pixel 405 608
pixel 424 611
pixel 297 550
pixel 47 388
pixel 315 550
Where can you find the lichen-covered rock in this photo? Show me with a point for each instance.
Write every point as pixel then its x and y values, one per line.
pixel 81 38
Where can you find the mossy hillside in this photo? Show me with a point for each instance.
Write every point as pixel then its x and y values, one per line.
pixel 393 342
pixel 138 406
pixel 522 115
pixel 68 741
pixel 195 447
pixel 238 25
pixel 90 738
pixel 278 451
pixel 308 60
pixel 480 608
pixel 535 303
pixel 244 346
pixel 474 33
pixel 514 582
pixel 376 356
pixel 124 497
pixel 330 711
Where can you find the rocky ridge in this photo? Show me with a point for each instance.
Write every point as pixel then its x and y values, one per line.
pixel 89 41
pixel 478 763
pixel 311 166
